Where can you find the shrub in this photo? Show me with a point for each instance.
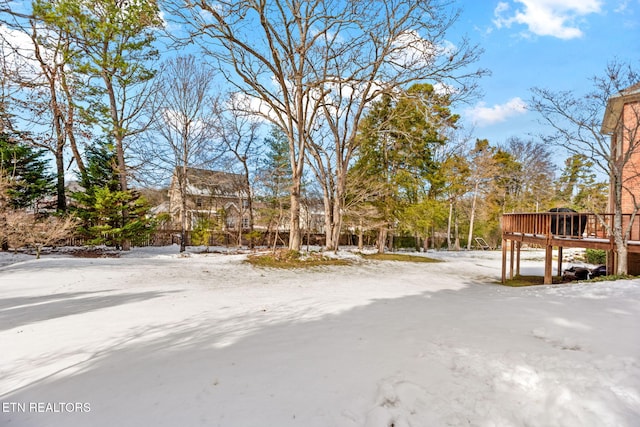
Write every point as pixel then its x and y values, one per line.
pixel 201 234
pixel 595 256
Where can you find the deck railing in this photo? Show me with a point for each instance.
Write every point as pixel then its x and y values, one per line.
pixel 565 224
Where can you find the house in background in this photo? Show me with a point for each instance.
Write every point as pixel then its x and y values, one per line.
pixel 218 197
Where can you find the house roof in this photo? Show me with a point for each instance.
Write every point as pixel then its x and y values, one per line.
pixel 614 107
pixel 210 182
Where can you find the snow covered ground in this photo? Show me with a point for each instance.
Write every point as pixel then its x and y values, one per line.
pixel 158 339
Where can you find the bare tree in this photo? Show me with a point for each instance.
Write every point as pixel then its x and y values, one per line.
pixel 239 132
pixel 114 41
pixel 482 172
pixel 27 230
pixel 534 177
pixel 52 104
pixel 359 211
pixel 265 50
pixel 11 68
pixel 399 43
pixel 578 125
pixel 181 132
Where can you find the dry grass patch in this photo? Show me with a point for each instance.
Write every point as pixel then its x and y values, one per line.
pixel 293 259
pixel 399 257
pixel 519 281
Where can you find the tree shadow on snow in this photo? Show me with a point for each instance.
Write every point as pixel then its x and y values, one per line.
pixel 20 311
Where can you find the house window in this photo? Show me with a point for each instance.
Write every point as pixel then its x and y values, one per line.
pixel 198 202
pixel 245 222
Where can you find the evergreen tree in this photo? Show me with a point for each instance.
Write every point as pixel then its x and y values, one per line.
pixel 276 180
pixel 398 139
pixel 578 188
pixel 26 171
pixel 101 204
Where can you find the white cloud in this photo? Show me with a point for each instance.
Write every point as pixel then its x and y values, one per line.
pixel 412 50
pixel 481 115
pixel 16 42
pixel 555 18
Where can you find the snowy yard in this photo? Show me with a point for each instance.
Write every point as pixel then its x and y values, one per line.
pixel 157 339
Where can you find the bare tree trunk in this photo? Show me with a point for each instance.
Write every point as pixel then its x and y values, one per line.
pixel 473 215
pixel 69 125
pixel 120 159
pixel 295 240
pixel 182 185
pixel 618 236
pixel 449 224
pixel 457 235
pixel 337 223
pixel 328 218
pixel 61 204
pixel 382 239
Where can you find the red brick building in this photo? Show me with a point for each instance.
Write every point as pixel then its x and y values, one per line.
pixel 622 122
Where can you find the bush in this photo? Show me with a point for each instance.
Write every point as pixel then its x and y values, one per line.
pixel 201 234
pixel 595 256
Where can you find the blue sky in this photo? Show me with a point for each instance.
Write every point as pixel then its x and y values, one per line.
pixel 554 44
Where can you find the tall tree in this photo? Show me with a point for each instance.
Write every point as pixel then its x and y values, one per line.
pixel 397 45
pixel 483 170
pixel 53 52
pixel 398 141
pixel 266 50
pixel 41 56
pixel 181 133
pixel 455 174
pixel 115 40
pixel 530 176
pixel 576 122
pixel 275 177
pixel 239 134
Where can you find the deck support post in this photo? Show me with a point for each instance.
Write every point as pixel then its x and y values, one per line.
pixel 559 260
pixel 511 252
pixel 518 246
pixel 548 261
pixel 504 261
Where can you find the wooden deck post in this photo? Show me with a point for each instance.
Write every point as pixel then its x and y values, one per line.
pixel 518 246
pixel 511 251
pixel 504 261
pixel 559 260
pixel 548 261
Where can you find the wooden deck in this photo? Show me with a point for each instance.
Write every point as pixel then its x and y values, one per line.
pixel 558 229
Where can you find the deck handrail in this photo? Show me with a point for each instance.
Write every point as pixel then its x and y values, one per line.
pixel 564 224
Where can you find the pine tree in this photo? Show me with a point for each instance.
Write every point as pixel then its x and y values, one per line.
pixel 398 140
pixel 101 203
pixel 276 180
pixel 26 171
